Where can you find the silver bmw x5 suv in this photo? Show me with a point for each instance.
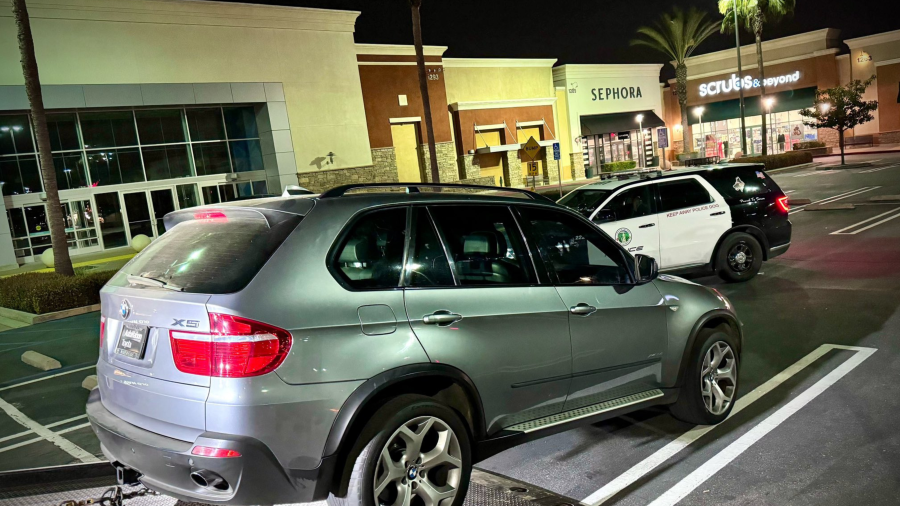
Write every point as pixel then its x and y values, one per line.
pixel 369 346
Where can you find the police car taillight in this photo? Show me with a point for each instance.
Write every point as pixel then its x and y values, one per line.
pixel 783 203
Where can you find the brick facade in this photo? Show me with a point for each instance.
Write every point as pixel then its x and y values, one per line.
pixel 384 160
pixel 888 137
pixel 322 180
pixel 468 169
pixel 577 164
pixel 448 170
pixel 512 169
pixel 551 174
pixel 830 137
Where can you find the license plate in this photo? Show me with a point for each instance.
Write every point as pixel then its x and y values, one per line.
pixel 132 340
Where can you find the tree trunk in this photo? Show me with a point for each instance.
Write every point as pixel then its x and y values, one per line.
pixel 757 28
pixel 423 86
pixel 61 261
pixel 841 142
pixel 681 88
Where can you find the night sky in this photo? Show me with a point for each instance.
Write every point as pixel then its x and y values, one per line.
pixel 578 31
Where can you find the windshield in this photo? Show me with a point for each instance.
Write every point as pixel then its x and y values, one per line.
pixel 211 255
pixel 585 201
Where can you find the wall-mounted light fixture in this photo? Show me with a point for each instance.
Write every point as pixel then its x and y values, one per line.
pixel 330 157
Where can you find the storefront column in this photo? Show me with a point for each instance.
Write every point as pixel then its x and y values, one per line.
pixel 448 170
pixel 512 169
pixel 551 174
pixel 467 167
pixel 577 164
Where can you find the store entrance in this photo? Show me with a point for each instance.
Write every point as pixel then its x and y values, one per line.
pixel 144 211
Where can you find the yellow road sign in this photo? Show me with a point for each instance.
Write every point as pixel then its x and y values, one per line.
pixel 531 148
pixel 533 168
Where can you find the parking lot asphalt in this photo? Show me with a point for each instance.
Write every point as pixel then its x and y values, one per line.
pixel 818 380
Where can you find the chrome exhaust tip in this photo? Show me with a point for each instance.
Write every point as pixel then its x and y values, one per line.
pixel 209 479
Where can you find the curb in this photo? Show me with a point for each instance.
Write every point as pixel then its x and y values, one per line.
pixel 793 167
pixel 879 152
pixel 34 319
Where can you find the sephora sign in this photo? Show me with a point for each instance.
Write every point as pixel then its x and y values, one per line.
pixel 734 84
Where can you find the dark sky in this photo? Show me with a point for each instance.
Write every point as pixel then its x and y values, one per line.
pixel 578 31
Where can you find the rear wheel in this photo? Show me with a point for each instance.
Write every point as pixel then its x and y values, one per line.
pixel 416 453
pixel 711 379
pixel 739 257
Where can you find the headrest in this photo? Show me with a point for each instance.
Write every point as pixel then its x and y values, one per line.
pixel 480 242
pixel 356 250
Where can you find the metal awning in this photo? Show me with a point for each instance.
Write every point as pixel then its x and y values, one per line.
pixel 618 122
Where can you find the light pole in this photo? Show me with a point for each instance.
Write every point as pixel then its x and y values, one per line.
pixel 640 118
pixel 770 101
pixel 698 111
pixel 737 42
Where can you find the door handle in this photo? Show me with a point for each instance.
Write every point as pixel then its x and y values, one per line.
pixel 441 318
pixel 718 213
pixel 582 309
pixel 647 225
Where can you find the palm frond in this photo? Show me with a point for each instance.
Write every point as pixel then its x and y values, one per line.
pixel 677 33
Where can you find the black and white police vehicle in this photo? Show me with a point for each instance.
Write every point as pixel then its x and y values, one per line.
pixel 726 218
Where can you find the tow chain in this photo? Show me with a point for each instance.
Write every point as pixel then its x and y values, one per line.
pixel 111 497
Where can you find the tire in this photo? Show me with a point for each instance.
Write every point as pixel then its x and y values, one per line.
pixel 739 257
pixel 404 417
pixel 692 404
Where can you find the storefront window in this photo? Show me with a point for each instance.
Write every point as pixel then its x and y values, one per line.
pixel 722 138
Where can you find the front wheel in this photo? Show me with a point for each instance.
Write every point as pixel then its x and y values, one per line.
pixel 711 379
pixel 739 257
pixel 417 454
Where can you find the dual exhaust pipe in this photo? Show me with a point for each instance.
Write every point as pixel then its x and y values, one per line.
pixel 210 480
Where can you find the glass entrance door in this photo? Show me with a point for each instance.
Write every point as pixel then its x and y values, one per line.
pixel 137 210
pixel 163 203
pixel 112 222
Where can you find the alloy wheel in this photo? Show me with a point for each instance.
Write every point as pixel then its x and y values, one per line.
pixel 718 378
pixel 421 465
pixel 740 257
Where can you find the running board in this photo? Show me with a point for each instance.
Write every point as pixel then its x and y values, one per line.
pixel 593 409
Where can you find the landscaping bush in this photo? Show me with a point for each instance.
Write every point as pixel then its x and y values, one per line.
pixel 618 166
pixel 809 145
pixel 46 292
pixel 780 160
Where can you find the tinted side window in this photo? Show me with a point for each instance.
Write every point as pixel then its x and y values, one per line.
pixel 633 203
pixel 485 245
pixel 682 194
pixel 740 182
pixel 371 255
pixel 576 251
pixel 429 265
pixel 585 201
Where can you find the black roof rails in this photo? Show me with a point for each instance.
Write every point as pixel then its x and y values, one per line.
pixel 339 191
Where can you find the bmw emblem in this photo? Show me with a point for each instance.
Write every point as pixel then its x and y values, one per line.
pixel 125 309
pixel 413 472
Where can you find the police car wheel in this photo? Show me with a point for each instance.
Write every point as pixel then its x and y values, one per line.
pixel 710 378
pixel 413 449
pixel 739 257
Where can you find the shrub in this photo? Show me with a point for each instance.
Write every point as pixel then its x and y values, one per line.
pixel 46 292
pixel 780 160
pixel 617 166
pixel 809 145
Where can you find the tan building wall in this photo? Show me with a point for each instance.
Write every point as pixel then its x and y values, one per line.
pixel 310 51
pixel 879 55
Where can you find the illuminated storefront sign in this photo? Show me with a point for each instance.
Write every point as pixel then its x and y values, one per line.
pixel 734 84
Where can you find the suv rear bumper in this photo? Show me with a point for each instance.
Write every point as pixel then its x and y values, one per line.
pixel 165 464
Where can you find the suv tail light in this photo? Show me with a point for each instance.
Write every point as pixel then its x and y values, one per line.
pixel 235 348
pixel 102 330
pixel 783 203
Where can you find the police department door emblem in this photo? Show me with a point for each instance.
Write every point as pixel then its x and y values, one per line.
pixel 125 309
pixel 623 236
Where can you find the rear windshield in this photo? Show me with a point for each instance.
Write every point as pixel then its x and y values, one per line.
pixel 741 182
pixel 585 201
pixel 212 256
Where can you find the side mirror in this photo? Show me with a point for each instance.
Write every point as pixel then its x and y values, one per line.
pixel 604 215
pixel 645 269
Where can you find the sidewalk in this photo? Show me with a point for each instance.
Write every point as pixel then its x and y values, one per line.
pixel 872 150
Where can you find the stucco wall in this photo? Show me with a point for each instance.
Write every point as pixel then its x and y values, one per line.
pixel 888 86
pixel 476 84
pixel 310 51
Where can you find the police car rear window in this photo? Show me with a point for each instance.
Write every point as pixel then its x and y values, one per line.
pixel 740 182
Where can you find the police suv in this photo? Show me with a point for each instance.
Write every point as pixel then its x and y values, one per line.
pixel 725 218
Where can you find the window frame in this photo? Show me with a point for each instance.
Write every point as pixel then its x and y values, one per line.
pixel 626 258
pixel 334 252
pixel 537 279
pixel 654 196
pixel 416 213
pixel 696 179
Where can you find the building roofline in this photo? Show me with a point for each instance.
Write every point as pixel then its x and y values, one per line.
pixel 607 70
pixel 499 62
pixel 749 50
pixel 870 40
pixel 397 50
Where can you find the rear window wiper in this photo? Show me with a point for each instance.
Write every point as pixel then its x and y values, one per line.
pixel 145 280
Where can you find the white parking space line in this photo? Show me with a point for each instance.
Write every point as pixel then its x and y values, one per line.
pixel 49 426
pixel 43 378
pixel 877 169
pixel 788 192
pixel 644 467
pixel 739 446
pixel 837 197
pixel 45 433
pixel 817 173
pixel 843 231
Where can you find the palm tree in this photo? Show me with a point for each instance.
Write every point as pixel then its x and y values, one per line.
pixel 61 261
pixel 677 35
pixel 754 14
pixel 423 86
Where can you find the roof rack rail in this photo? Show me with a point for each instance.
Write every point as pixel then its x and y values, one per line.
pixel 339 191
